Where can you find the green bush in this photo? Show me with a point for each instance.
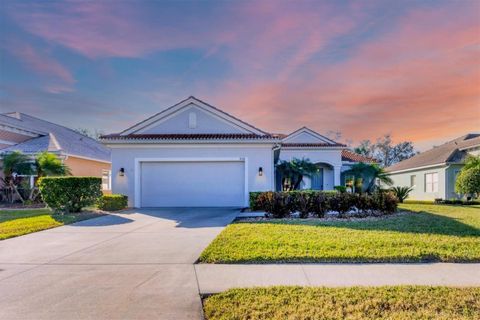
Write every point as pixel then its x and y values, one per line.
pixel 317 203
pixel 276 204
pixel 468 182
pixel 253 200
pixel 70 194
pixel 341 189
pixel 112 202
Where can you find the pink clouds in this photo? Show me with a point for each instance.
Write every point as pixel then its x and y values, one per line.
pixel 418 81
pixel 59 78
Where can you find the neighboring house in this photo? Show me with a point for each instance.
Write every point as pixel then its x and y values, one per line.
pixel 433 173
pixel 193 154
pixel 83 155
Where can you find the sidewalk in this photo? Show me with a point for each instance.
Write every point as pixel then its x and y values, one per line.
pixel 214 278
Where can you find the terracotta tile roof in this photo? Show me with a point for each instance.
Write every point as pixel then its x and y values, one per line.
pixel 348 155
pixel 199 136
pixel 312 145
pixel 449 152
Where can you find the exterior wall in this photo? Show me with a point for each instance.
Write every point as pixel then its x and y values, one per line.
pixel 451 173
pixel 303 137
pixel 474 151
pixel 86 168
pixel 257 155
pixel 179 124
pixel 418 193
pixel 331 157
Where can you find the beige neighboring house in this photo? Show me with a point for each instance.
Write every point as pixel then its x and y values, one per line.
pixel 30 135
pixel 433 173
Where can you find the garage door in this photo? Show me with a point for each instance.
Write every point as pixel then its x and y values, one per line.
pixel 192 184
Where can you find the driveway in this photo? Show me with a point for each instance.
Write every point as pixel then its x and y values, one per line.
pixel 134 265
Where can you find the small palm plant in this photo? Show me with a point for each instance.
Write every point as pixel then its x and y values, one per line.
pixel 401 192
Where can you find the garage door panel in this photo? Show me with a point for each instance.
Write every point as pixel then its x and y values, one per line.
pixel 192 184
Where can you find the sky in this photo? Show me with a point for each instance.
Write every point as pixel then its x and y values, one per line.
pixel 362 68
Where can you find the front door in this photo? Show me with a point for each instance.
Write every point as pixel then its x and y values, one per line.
pixel 317 180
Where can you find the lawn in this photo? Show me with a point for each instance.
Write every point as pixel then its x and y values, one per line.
pixel 19 222
pixel 429 233
pixel 402 303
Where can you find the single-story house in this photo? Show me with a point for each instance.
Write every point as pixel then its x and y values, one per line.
pixel 193 154
pixel 432 174
pixel 30 135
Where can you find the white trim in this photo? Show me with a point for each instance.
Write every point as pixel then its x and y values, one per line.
pixel 139 161
pixel 186 103
pixel 8 143
pixel 308 131
pixel 312 148
pixel 18 130
pixel 111 142
pixel 418 168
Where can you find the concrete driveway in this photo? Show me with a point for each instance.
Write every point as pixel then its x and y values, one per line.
pixel 134 265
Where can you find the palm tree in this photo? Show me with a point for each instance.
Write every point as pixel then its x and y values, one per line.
pixel 292 172
pixel 15 164
pixel 401 192
pixel 370 173
pixel 48 164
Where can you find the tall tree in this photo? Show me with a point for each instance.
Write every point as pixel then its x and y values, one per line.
pixel 385 151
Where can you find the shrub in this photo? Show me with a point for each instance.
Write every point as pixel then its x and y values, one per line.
pixel 385 202
pixel 70 194
pixel 341 202
pixel 112 202
pixel 253 200
pixel 341 189
pixel 319 204
pixel 401 192
pixel 468 182
pixel 302 202
pixel 276 204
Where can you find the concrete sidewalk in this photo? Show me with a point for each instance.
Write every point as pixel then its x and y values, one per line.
pixel 214 278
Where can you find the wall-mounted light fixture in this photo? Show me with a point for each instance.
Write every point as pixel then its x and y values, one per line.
pixel 260 171
pixel 121 172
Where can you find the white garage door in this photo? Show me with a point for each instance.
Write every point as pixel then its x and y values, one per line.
pixel 192 184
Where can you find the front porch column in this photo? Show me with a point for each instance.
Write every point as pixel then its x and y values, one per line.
pixel 336 175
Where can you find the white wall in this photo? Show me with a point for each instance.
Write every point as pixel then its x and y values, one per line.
pixel 418 192
pixel 179 124
pixel 258 155
pixel 332 157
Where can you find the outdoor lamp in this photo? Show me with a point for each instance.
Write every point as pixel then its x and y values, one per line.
pixel 260 171
pixel 122 172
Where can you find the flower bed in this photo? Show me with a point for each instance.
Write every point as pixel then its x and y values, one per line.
pixel 307 204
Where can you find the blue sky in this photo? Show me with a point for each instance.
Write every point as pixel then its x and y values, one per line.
pixel 364 68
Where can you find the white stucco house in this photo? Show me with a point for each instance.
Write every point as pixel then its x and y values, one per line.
pixel 193 154
pixel 432 174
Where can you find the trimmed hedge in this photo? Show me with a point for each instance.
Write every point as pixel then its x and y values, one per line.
pixel 112 202
pixel 317 203
pixel 70 194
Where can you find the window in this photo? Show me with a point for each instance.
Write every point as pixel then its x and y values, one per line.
pixel 431 182
pixel 192 120
pixel 106 180
pixel 413 181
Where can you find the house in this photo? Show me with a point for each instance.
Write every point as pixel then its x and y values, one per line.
pixel 432 174
pixel 193 154
pixel 30 135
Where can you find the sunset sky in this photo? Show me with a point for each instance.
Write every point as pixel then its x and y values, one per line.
pixel 365 68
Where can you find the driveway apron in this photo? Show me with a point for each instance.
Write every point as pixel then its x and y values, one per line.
pixel 133 265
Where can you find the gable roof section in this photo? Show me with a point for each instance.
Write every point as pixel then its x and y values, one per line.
pixel 175 109
pixel 54 138
pixel 316 140
pixel 449 152
pixel 315 135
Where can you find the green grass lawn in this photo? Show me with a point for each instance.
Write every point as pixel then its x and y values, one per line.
pixel 19 222
pixel 430 233
pixel 402 303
